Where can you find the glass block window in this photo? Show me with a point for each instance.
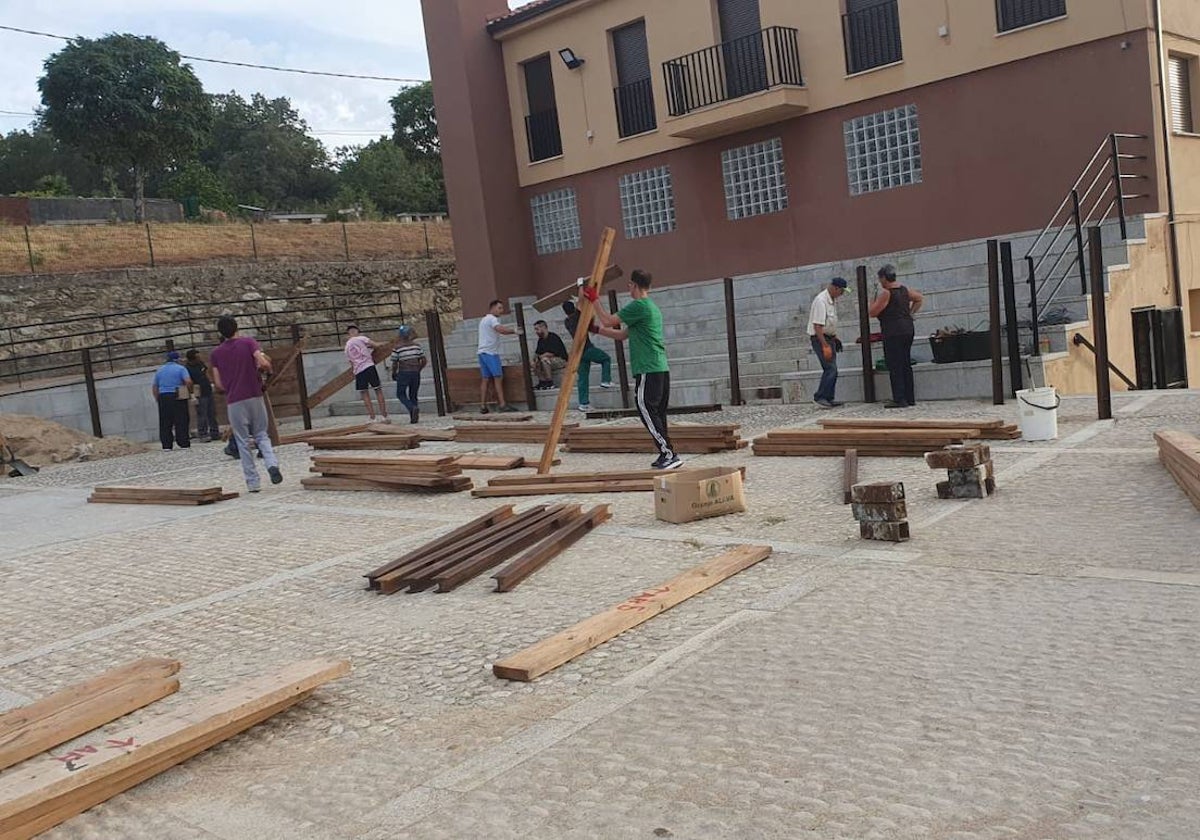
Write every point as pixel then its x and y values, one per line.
pixel 556 222
pixel 883 150
pixel 754 179
pixel 647 202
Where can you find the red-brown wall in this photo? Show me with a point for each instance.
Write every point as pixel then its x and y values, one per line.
pixel 14 211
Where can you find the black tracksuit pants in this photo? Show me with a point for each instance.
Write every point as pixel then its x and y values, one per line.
pixel 653 393
pixel 173 421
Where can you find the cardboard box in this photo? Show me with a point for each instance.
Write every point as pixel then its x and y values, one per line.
pixel 697 494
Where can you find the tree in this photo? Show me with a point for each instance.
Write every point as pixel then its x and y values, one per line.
pixel 383 173
pixel 414 122
pixel 126 101
pixel 28 157
pixel 262 152
pixel 195 179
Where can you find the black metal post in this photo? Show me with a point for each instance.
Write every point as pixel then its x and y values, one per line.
pixel 443 362
pixel 301 380
pixel 253 242
pixel 1011 330
pixel 993 252
pixel 620 349
pixel 526 366
pixel 735 376
pixel 1078 219
pixel 345 242
pixel 89 382
pixel 150 244
pixel 435 365
pixel 1142 318
pixel 1034 328
pixel 864 334
pixel 1118 182
pixel 29 250
pixel 1100 325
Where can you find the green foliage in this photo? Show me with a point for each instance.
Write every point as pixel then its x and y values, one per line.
pixel 126 101
pixel 195 179
pixel 49 186
pixel 414 122
pixel 382 173
pixel 28 157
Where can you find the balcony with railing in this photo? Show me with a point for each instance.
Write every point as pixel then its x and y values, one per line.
pixel 635 108
pixel 872 36
pixel 735 85
pixel 541 131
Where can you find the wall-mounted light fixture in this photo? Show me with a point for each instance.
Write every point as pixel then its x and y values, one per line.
pixel 569 58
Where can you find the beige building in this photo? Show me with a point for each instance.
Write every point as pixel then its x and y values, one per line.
pixel 730 137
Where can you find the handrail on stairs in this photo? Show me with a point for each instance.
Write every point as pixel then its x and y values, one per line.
pixel 1079 341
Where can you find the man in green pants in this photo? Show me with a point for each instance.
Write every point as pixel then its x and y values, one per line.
pixel 640 321
pixel 591 355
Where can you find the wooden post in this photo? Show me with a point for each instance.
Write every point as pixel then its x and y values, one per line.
pixel 735 378
pixel 849 475
pixel 1011 330
pixel 1099 324
pixel 301 381
pixel 150 244
pixel 430 332
pixel 443 364
pixel 620 350
pixel 586 311
pixel 864 334
pixel 993 252
pixel 89 381
pixel 253 242
pixel 29 251
pixel 345 242
pixel 530 396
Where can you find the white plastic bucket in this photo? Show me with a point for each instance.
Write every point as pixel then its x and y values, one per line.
pixel 1037 413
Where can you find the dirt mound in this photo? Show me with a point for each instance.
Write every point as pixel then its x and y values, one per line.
pixel 42 442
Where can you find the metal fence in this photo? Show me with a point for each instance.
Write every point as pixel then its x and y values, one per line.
pixel 65 249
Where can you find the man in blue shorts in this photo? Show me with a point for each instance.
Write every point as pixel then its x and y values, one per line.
pixel 490 366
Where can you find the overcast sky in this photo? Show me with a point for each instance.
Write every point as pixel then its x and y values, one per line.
pixel 368 37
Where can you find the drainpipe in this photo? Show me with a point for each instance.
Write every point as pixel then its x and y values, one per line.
pixel 1164 107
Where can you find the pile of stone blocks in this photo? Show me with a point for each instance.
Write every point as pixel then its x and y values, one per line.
pixel 969 470
pixel 881 511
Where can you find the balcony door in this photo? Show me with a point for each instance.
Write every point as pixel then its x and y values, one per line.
pixel 541 123
pixel 634 92
pixel 742 47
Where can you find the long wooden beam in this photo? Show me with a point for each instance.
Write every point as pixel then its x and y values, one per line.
pixel 559 649
pixel 586 311
pixel 564 294
pixel 508 578
pixel 82 707
pixel 347 376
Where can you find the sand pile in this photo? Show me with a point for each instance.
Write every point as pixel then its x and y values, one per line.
pixel 42 442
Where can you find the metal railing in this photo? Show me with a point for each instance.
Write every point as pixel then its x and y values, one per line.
pixel 872 36
pixel 136 338
pixel 543 135
pixel 635 108
pixel 1097 194
pixel 767 59
pixel 1013 14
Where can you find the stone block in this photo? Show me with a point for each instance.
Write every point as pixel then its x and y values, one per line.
pixel 957 457
pixel 880 511
pixel 975 490
pixel 884 531
pixel 879 491
pixel 971 475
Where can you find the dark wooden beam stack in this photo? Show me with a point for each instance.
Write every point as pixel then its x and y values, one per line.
pixel 439 473
pixel 969 471
pixel 368 440
pixel 159 495
pixel 1180 454
pixel 533 537
pixel 329 432
pixel 495 432
pixel 988 429
pixel 877 443
pixel 688 439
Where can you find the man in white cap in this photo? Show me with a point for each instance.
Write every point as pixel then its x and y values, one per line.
pixel 822 333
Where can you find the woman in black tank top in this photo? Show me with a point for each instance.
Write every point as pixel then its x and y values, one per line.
pixel 895 306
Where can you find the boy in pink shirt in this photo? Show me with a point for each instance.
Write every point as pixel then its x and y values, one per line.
pixel 360 354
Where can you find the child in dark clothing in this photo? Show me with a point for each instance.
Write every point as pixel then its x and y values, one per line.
pixel 206 408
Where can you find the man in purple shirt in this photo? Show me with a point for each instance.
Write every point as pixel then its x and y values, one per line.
pixel 235 366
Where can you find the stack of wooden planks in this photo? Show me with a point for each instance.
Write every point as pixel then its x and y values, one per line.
pixel 159 495
pixel 629 481
pixel 310 434
pixel 440 473
pixel 867 442
pixel 1180 454
pixel 988 429
pixel 687 438
pixel 496 432
pixel 395 439
pixel 50 789
pixel 501 417
pixel 530 539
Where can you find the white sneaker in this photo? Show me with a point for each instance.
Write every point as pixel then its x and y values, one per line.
pixel 606 385
pixel 585 407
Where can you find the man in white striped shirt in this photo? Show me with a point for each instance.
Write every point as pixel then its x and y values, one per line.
pixel 406 363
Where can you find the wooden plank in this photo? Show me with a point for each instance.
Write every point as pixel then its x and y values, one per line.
pixel 616 413
pixel 436 435
pixel 490 462
pixel 80 708
pixel 559 649
pixel 904 435
pixel 557 298
pixel 504 417
pixel 331 483
pixel 849 474
pixel 347 376
pixel 567 478
pixel 380 442
pixel 586 311
pixel 281 369
pixel 151 492
pixel 508 578
pixel 420 462
pixel 46 791
pixel 473 527
pixel 331 432
pixel 455 576
pixel 645 485
pixel 945 423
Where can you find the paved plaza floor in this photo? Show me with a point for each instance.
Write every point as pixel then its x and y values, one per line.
pixel 1027 666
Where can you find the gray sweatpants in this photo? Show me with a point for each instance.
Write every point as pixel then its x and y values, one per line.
pixel 248 420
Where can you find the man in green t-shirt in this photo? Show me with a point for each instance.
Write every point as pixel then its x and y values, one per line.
pixel 640 322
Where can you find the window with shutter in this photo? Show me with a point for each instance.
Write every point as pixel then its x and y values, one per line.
pixel 541 123
pixel 1181 94
pixel 1013 14
pixel 634 94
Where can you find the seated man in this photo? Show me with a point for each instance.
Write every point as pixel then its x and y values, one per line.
pixel 549 356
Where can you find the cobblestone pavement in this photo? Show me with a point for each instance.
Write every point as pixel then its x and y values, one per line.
pixel 1025 667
